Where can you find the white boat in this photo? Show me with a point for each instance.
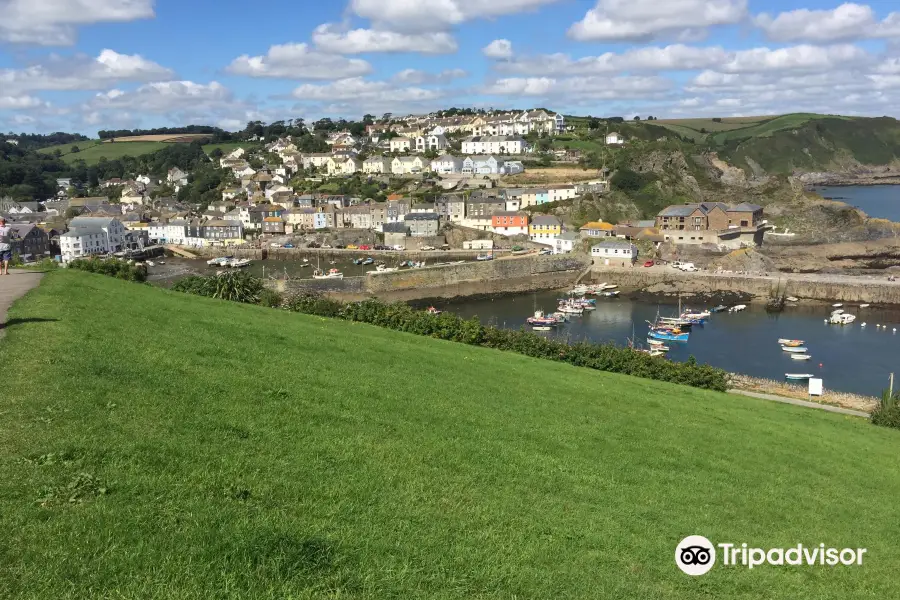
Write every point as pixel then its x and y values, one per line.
pixel 331 274
pixel 792 299
pixel 837 312
pixel 738 308
pixel 838 305
pixel 865 305
pixel 798 376
pixel 801 356
pixel 842 319
pixel 570 309
pixel 580 290
pixel 542 328
pixel 690 315
pixel 238 263
pixel 788 342
pixel 384 269
pixel 795 349
pixel 658 345
pixel 150 263
pixel 219 261
pixel 610 293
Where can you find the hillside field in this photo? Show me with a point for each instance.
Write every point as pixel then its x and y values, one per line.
pixel 91 151
pixel 245 452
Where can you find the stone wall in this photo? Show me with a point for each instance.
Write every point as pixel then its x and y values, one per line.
pixel 667 281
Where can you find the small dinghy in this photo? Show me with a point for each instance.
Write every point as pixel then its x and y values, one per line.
pixel 801 356
pixel 798 376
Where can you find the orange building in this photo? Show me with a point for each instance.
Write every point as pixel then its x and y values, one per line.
pixel 509 223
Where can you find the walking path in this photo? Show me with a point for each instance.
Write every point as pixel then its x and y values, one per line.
pixel 13 287
pixel 829 408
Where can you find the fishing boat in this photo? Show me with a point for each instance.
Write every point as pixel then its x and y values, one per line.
pixel 792 299
pixel 238 263
pixel 838 305
pixel 580 290
pixel 795 349
pixel 673 322
pixel 542 327
pixel 610 293
pixel 719 308
pixel 219 261
pixel 842 319
pixel 801 356
pixel 357 261
pixel 541 319
pixel 368 261
pixel 798 376
pixel 560 317
pixel 331 274
pixel 837 312
pixel 384 269
pixel 689 314
pixel 570 308
pixel 861 305
pixel 738 308
pixel 791 343
pixel 433 311
pixel 484 257
pixel 658 345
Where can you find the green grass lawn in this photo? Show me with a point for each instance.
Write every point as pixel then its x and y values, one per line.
pixel 91 152
pixel 214 450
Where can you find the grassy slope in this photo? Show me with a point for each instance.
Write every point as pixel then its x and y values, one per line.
pixel 90 152
pixel 254 453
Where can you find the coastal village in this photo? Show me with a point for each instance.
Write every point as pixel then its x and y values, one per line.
pixel 445 175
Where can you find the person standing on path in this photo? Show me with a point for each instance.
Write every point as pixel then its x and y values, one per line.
pixel 5 246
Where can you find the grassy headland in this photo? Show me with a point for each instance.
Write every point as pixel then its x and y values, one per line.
pixel 159 445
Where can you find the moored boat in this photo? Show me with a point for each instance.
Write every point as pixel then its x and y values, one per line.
pixel 795 349
pixel 798 376
pixel 738 308
pixel 433 311
pixel 669 335
pixel 787 342
pixel 865 305
pixel 484 257
pixel 792 299
pixel 838 305
pixel 719 308
pixel 331 274
pixel 542 328
pixel 842 319
pixel 801 356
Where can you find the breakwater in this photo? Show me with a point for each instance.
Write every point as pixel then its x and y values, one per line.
pixel 295 254
pixel 520 274
pixel 665 281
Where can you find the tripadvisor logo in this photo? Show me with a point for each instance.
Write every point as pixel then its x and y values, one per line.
pixel 696 555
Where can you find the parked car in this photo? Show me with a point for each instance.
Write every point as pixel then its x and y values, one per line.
pixel 352 247
pixel 365 247
pixel 427 248
pixel 649 263
pixel 288 245
pixel 339 246
pixel 326 245
pixel 546 251
pixel 275 245
pixel 314 245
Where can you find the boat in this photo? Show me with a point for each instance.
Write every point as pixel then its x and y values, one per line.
pixel 162 262
pixel 357 261
pixel 719 308
pixel 306 260
pixel 219 261
pixel 703 314
pixel 795 349
pixel 790 343
pixel 433 311
pixel 838 305
pixel 842 319
pixel 542 328
pixel 238 263
pixel 484 257
pixel 384 269
pixel 792 299
pixel 837 312
pixel 331 274
pixel 738 308
pixel 541 320
pixel 368 261
pixel 673 322
pixel 861 305
pixel 580 290
pixel 658 345
pixel 570 308
pixel 669 335
pixel 150 263
pixel 798 376
pixel 801 356
pixel 610 293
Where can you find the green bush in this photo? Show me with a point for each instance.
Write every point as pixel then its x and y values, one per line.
pixel 269 298
pixel 236 286
pixel 113 267
pixel 888 412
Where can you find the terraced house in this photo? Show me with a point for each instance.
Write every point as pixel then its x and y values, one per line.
pixel 713 223
pixel 544 229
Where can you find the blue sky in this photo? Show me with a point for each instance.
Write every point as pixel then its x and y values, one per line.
pixel 85 65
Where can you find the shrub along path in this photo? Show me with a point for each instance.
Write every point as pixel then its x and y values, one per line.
pixel 155 444
pixel 12 287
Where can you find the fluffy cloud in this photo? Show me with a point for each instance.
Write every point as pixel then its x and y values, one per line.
pixel 54 22
pixel 436 15
pixel 82 73
pixel 846 22
pixel 357 41
pixel 679 57
pixel 636 20
pixel 20 102
pixel 167 96
pixel 360 90
pixel 580 88
pixel 417 77
pixel 298 61
pixel 498 49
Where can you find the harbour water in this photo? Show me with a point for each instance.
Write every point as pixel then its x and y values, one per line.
pixel 849 358
pixel 877 201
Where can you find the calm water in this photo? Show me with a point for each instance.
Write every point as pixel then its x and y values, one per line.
pixel 852 358
pixel 877 201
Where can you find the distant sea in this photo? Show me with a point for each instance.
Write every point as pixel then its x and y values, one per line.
pixel 877 201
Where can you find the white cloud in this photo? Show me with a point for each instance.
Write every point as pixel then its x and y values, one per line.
pixel 417 77
pixel 635 20
pixel 498 49
pixel 580 88
pixel 358 41
pixel 846 22
pixel 54 22
pixel 796 58
pixel 163 97
pixel 82 73
pixel 436 15
pixel 298 61
pixel 360 90
pixel 20 102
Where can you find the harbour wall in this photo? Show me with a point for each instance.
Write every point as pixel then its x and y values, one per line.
pixel 521 274
pixel 296 254
pixel 669 282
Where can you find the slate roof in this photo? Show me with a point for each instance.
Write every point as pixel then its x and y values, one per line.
pixel 745 207
pixel 545 220
pixel 612 245
pixel 683 210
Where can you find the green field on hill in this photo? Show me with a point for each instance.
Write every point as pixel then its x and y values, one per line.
pixel 159 445
pixel 91 151
pixel 729 128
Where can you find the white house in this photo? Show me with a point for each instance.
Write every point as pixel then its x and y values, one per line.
pixel 377 165
pixel 561 192
pixel 350 166
pixel 156 231
pixel 498 144
pixel 447 164
pixel 614 139
pixel 92 235
pixel 145 179
pixel 477 165
pixel 512 167
pixel 177 177
pixel 401 144
pixel 245 173
pixel 406 165
pixel 431 142
pixel 565 242
pixel 614 253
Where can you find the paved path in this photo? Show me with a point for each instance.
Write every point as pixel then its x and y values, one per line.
pixel 13 287
pixel 828 407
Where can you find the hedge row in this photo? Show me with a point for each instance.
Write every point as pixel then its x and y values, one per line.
pixel 114 267
pixel 447 326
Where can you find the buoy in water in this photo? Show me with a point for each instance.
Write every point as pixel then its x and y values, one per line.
pixel 820 365
pixel 863 325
